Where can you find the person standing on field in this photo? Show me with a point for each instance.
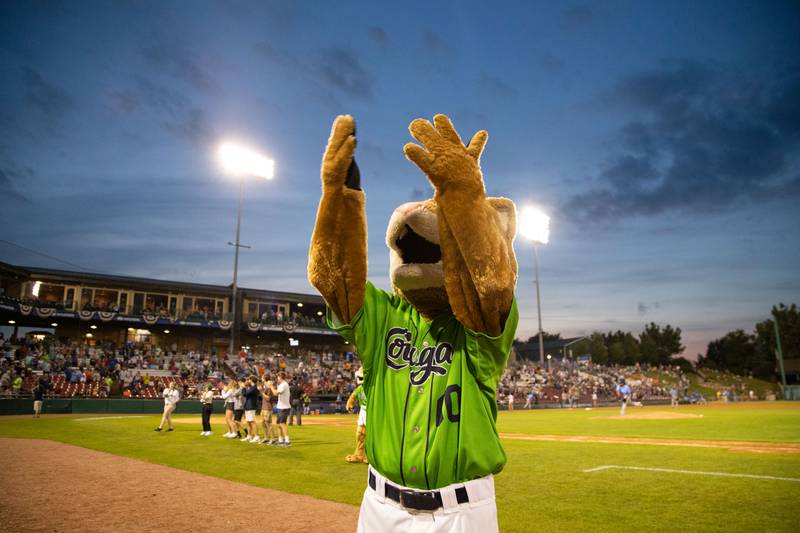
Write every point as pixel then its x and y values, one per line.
pixel 227 396
pixel 38 397
pixel 284 406
pixel 266 413
pixel 207 399
pixel 171 397
pixel 624 391
pixel 251 395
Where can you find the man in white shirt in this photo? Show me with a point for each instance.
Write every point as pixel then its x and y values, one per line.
pixel 284 406
pixel 171 397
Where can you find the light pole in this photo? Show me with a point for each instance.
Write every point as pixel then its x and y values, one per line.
pixel 535 226
pixel 241 162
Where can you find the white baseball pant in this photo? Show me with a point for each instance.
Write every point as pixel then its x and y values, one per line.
pixel 479 515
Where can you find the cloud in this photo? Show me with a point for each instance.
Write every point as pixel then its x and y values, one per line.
pixel 495 87
pixel 433 43
pixel 175 62
pixel 578 15
pixel 336 67
pixel 122 100
pixel 176 112
pixel 379 37
pixel 700 140
pixel 341 68
pixel 643 308
pixel 551 63
pixel 8 191
pixel 48 100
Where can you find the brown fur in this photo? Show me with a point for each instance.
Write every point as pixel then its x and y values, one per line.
pixel 337 258
pixel 475 232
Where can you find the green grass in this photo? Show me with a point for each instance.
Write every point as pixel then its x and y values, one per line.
pixel 543 487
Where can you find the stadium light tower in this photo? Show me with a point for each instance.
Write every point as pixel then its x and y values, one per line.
pixel 241 161
pixel 534 225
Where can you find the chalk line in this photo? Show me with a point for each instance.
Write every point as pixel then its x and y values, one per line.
pixel 695 472
pixel 105 418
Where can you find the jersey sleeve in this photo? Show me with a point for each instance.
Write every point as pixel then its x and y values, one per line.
pixel 365 331
pixel 488 355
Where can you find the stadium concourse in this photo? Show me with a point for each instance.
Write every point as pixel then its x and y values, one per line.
pixel 75 369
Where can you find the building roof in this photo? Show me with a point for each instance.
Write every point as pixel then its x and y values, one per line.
pixel 150 284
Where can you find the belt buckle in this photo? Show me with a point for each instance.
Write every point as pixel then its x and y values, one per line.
pixel 420 501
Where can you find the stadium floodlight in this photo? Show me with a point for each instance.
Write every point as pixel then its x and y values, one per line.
pixel 534 225
pixel 243 161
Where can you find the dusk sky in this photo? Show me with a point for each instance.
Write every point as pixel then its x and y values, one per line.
pixel 663 138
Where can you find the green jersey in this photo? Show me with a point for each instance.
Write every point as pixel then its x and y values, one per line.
pixel 431 387
pixel 361 396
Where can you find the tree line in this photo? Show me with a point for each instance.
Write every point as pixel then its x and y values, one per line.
pixel 737 351
pixel 754 353
pixel 655 345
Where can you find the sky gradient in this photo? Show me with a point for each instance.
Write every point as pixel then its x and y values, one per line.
pixel 662 138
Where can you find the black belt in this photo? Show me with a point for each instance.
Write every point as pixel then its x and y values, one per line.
pixel 416 499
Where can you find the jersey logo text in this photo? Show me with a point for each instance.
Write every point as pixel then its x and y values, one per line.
pixel 400 353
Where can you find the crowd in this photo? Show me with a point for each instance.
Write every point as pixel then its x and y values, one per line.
pixel 140 370
pixel 569 383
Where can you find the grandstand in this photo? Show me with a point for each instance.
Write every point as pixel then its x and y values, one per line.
pixel 120 309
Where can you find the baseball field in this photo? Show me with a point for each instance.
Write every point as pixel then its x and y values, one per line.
pixel 726 467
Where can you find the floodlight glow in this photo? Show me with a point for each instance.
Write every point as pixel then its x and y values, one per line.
pixel 35 290
pixel 240 160
pixel 534 224
pixel 166 331
pixel 300 304
pixel 12 322
pixel 93 326
pixel 54 324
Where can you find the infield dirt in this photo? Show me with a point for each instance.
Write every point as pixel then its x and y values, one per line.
pixel 50 486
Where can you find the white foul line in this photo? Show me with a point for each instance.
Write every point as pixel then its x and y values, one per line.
pixel 696 472
pixel 105 418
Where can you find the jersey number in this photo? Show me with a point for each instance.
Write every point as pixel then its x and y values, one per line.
pixel 445 403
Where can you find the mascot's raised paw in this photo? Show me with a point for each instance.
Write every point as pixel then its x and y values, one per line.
pixel 337 162
pixel 445 159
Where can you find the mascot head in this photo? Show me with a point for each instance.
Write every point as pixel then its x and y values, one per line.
pixel 359 376
pixel 415 254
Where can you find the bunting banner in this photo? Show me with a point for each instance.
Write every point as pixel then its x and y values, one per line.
pixel 25 309
pixel 106 316
pixel 45 312
pixel 86 315
pixel 225 324
pixel 253 326
pixel 150 319
pixel 289 326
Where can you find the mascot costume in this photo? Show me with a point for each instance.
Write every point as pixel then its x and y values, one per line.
pixel 358 395
pixel 434 349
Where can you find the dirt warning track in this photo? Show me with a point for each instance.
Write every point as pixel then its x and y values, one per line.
pixel 50 486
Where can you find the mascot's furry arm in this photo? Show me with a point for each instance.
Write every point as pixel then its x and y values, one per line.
pixel 337 260
pixel 470 231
